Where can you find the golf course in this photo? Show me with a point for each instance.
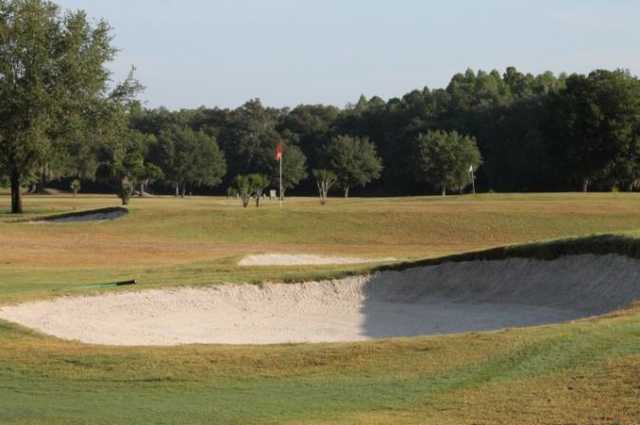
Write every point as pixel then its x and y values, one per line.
pixel 281 212
pixel 582 367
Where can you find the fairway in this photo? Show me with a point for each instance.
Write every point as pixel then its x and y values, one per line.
pixel 585 371
pixel 200 240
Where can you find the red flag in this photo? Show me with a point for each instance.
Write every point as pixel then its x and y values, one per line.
pixel 279 151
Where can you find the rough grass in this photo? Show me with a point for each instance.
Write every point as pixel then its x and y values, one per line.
pixel 583 372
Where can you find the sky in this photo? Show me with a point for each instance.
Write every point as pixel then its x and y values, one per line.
pixel 221 53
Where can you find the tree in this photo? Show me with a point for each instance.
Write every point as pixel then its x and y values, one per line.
pixel 4 182
pixel 126 190
pixel 133 162
pixel 50 166
pixel 624 172
pixel 75 187
pixel 101 143
pixel 127 163
pixel 246 186
pixel 51 68
pixel 443 159
pixel 80 153
pixel 294 168
pixel 595 121
pixel 190 158
pixel 257 184
pixel 325 179
pixel 242 187
pixel 311 127
pixel 249 138
pixel 209 165
pixel 354 160
pixel 146 175
pixel 122 161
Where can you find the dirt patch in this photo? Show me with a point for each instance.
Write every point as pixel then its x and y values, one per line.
pixel 442 299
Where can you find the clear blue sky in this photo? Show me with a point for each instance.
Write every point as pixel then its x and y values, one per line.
pixel 286 52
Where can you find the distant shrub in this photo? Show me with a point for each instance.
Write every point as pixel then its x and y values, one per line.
pixel 325 179
pixel 126 190
pixel 75 186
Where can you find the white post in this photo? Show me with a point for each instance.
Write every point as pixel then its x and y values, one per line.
pixel 473 179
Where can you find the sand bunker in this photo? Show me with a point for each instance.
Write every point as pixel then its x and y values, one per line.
pixel 304 260
pixel 448 298
pixel 82 216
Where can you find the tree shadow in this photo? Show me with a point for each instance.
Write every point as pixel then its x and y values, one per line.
pixel 491 295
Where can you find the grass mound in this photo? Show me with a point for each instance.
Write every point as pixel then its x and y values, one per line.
pixel 623 245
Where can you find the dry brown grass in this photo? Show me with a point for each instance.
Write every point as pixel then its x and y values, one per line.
pixel 167 231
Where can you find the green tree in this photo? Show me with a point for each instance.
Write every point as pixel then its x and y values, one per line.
pixel 625 169
pixel 125 191
pixel 355 161
pixel 241 186
pixel 249 138
pixel 595 122
pixel 443 159
pixel 325 179
pixel 80 157
pixel 122 163
pixel 52 68
pixel 258 183
pixel 100 140
pixel 122 160
pixel 146 175
pixel 294 168
pixel 75 187
pixel 310 125
pixel 190 158
pixel 246 186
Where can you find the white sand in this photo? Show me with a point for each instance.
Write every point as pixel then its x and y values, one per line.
pixel 454 297
pixel 304 260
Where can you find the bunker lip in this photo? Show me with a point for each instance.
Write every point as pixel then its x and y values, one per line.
pixel 276 259
pixel 102 214
pixel 433 300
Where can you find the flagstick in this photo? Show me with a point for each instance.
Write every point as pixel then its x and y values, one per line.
pixel 280 181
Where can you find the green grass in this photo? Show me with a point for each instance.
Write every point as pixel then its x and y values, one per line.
pixel 245 385
pixel 582 372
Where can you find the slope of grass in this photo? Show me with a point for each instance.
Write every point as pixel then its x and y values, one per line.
pixel 582 372
pixel 625 244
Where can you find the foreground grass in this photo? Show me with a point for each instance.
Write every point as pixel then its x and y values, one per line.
pixel 584 372
pixel 581 373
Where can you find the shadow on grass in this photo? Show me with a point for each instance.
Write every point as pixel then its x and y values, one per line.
pixel 110 213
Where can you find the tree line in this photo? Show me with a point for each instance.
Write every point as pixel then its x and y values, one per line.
pixel 521 132
pixel 61 124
